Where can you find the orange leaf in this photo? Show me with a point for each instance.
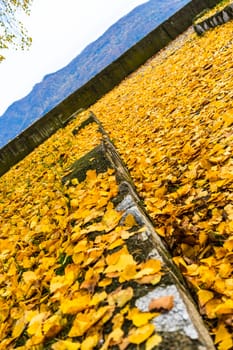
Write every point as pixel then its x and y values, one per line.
pixel 165 303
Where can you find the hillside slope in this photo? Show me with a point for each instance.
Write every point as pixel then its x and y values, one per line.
pixel 57 86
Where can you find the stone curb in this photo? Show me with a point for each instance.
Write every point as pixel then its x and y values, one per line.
pixel 182 327
pixel 219 18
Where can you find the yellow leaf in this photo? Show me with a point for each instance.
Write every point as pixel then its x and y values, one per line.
pixel 229 243
pixel 139 335
pixel 91 176
pixel 116 243
pixel 52 326
pixel 228 118
pixel 153 341
pixel 130 220
pixel 225 270
pixel 111 217
pixel 18 327
pixel 120 296
pixel 29 276
pixel 225 308
pixel 210 308
pixel 81 302
pixel 113 339
pixel 105 282
pixel 118 321
pixel 65 345
pixel 204 296
pixel 151 279
pixel 83 322
pixel 90 342
pixel 35 325
pixel 226 344
pixel 118 261
pixel 74 181
pixel 150 267
pixel 203 236
pixel 98 298
pixel 128 273
pixel 58 282
pixel 140 318
pixel 223 338
pixel 219 285
pixel 112 259
pixel 74 203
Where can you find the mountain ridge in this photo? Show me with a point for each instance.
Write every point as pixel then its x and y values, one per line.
pixel 56 86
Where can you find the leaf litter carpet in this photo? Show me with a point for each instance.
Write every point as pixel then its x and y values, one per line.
pixel 171 122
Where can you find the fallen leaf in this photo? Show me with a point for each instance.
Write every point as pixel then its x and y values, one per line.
pixel 120 296
pixel 73 306
pixel 139 335
pixel 162 304
pixel 153 341
pixel 140 318
pixel 204 296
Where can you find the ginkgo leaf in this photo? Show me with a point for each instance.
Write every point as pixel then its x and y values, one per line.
pixel 164 303
pixel 118 320
pixel 129 220
pixel 53 325
pixel 128 273
pixel 113 338
pixel 59 282
pixel 66 345
pixel 111 217
pixel 98 298
pixel 140 318
pixel 150 267
pixel 223 336
pixel 105 282
pixel 90 342
pixel 36 323
pixel 19 327
pixel 204 296
pixel 120 296
pixel 151 279
pixel 139 335
pixel 29 276
pixel 80 303
pixel 84 321
pixel 225 307
pixel 118 261
pixel 153 341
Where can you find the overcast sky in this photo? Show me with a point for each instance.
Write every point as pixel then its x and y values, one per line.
pixel 60 30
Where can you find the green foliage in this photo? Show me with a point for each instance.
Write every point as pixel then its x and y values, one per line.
pixel 12 32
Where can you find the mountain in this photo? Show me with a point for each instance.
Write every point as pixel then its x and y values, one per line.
pixel 57 86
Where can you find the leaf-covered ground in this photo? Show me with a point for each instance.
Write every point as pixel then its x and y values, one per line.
pixel 172 123
pixel 67 278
